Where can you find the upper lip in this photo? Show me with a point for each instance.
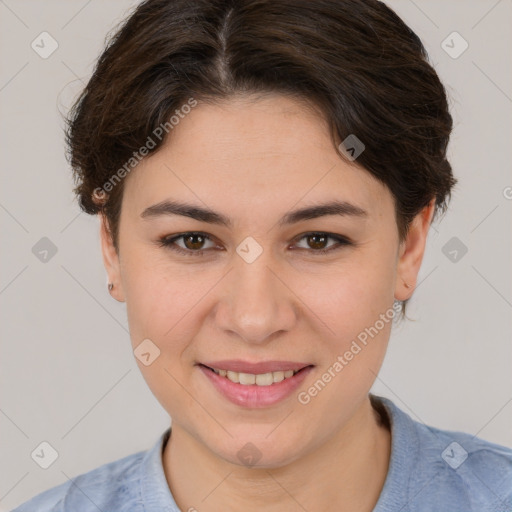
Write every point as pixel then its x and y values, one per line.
pixel 239 366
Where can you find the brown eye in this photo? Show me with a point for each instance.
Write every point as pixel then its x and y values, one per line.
pixel 191 244
pixel 194 242
pixel 316 243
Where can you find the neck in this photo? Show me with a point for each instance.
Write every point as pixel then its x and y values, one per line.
pixel 345 473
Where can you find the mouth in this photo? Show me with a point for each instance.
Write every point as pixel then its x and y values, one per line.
pixel 258 379
pixel 255 385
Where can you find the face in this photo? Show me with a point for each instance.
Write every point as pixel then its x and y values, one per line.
pixel 248 282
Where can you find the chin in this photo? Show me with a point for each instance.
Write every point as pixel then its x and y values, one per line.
pixel 259 451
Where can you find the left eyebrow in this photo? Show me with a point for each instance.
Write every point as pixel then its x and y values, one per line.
pixel 342 208
pixel 168 207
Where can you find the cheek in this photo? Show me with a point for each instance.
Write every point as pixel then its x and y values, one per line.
pixel 350 296
pixel 355 305
pixel 163 304
pixel 357 310
pixel 157 295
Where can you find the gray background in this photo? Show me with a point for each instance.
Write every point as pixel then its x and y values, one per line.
pixel 68 375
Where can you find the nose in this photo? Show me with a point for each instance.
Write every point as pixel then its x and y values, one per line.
pixel 256 303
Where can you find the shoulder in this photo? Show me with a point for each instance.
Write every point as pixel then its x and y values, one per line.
pixel 450 470
pixel 109 487
pixel 472 470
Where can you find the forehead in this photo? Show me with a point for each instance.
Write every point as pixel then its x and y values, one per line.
pixel 252 152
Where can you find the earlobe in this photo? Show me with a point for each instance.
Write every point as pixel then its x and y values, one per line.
pixel 412 252
pixel 110 260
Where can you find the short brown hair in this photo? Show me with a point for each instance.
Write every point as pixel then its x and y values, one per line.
pixel 355 60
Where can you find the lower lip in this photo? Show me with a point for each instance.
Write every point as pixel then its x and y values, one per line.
pixel 252 395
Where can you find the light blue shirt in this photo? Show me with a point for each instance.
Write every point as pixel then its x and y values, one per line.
pixel 430 470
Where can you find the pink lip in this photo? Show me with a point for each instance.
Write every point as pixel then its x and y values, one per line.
pixel 239 366
pixel 255 396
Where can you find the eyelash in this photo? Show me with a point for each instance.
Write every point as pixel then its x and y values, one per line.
pixel 169 243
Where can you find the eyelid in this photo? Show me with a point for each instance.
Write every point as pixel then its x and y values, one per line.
pixel 169 242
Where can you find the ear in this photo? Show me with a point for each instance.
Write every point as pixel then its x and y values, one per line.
pixel 110 259
pixel 411 252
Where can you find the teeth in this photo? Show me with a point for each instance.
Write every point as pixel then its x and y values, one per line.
pixel 278 376
pixel 247 378
pixel 262 379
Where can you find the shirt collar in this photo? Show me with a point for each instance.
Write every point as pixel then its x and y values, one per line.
pixel 403 458
pixel 154 490
pixel 156 495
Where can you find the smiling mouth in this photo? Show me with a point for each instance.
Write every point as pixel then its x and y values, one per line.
pixel 261 379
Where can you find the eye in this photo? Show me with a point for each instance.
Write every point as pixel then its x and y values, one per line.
pixel 318 240
pixel 193 243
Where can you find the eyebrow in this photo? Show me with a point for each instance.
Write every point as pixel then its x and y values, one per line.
pixel 168 207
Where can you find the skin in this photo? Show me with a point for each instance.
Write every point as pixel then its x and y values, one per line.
pixel 253 159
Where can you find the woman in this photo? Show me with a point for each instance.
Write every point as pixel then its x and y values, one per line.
pixel 266 173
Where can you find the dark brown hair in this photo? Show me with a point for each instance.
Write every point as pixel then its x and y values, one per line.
pixel 355 60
